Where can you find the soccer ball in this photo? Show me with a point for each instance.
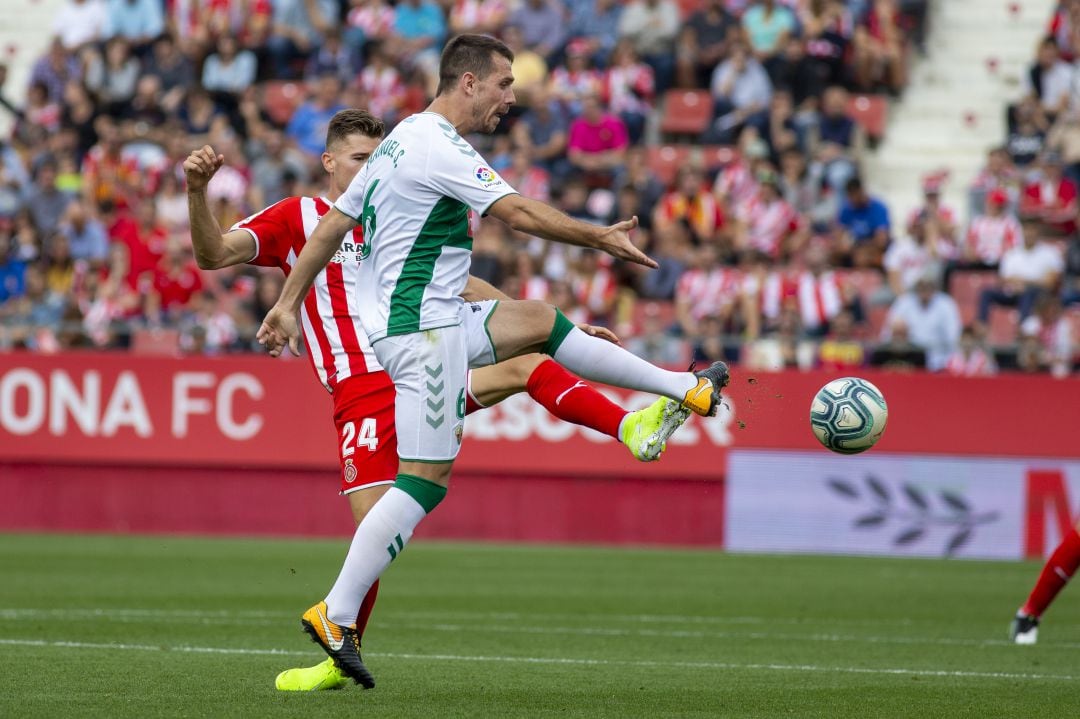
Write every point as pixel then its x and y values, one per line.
pixel 848 415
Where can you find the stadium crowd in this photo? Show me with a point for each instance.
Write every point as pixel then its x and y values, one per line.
pixel 773 252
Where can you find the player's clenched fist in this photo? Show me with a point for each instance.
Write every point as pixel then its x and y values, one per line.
pixel 279 328
pixel 200 166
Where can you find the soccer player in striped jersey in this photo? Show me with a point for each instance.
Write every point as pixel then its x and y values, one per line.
pixel 413 199
pixel 342 357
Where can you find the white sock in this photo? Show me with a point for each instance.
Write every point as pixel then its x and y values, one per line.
pixel 382 534
pixel 600 361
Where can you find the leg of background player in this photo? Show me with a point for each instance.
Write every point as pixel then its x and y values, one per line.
pixel 1055 574
pixel 521 326
pixel 560 392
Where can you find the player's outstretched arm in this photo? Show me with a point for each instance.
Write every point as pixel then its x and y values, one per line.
pixel 280 327
pixel 213 250
pixel 537 219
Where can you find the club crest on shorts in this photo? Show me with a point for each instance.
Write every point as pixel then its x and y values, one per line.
pixel 350 472
pixel 459 429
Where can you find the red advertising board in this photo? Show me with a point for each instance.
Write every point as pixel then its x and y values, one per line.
pixel 256 412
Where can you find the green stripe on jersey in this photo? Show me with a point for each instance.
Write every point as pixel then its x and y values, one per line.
pixel 446 226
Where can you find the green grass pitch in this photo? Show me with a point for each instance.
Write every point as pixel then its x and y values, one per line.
pixel 151 626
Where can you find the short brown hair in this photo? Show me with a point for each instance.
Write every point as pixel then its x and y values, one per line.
pixel 353 122
pixel 469 53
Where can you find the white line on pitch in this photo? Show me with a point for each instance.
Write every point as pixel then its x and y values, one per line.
pixel 390 619
pixel 552 660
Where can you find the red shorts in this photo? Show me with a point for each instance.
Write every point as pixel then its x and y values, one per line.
pixel 367 442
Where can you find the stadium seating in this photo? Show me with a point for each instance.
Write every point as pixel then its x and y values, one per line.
pixel 686 112
pixel 871 112
pixel 665 160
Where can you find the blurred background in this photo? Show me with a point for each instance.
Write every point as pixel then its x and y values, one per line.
pixel 880 187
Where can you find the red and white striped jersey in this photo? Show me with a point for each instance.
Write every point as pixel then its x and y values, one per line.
pixel 977 363
pixel 337 345
pixel 989 238
pixel 818 297
pixel 708 292
pixel 768 224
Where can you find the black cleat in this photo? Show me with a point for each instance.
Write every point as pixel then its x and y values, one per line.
pixel 704 398
pixel 1024 628
pixel 341 643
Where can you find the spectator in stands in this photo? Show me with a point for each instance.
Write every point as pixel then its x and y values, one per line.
pixel 931 318
pixel 382 83
pixel 173 69
pixel 113 79
pixel 487 17
pixel 530 180
pixel 628 88
pixel 12 271
pixel 914 256
pixel 1053 334
pixel 840 351
pixel 768 224
pixel 199 115
pixel 1051 198
pixel 1028 138
pixel 139 22
pixel 691 203
pixel 145 240
pixel 785 348
pixel 1028 272
pixel 145 118
pixel 999 173
pixel 298 28
pixel 898 353
pixel 863 227
pixel 369 20
pixel 542 25
pixel 1049 79
pixel 707 289
pixel 879 48
pixel 209 328
pixel 46 203
pixel 572 82
pixel 802 188
pixel 175 282
pixel 85 234
pixel 703 42
pixel 596 23
pixel 228 70
pixel 79 23
pixel 635 174
pixel 56 69
pixel 709 346
pixel 991 235
pixel 529 67
pixel 798 74
pixel 543 130
pixel 652 26
pixel 307 127
pixel 778 127
pixel 971 358
pixel 59 266
pixel 837 140
pixel 933 212
pixel 827 27
pixel 1064 140
pixel 767 25
pixel 334 55
pixel 273 161
pixel 420 29
pixel 597 142
pixel 670 247
pixel 741 92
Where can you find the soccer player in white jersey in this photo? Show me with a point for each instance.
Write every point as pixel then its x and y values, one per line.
pixel 340 354
pixel 412 199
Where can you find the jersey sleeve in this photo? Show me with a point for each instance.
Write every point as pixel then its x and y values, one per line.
pixel 461 173
pixel 274 230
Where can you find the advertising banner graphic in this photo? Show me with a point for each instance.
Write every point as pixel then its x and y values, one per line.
pixel 899 505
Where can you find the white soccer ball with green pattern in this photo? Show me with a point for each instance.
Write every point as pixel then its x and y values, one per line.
pixel 848 415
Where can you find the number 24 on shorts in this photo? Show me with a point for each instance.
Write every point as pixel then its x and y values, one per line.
pixel 366 437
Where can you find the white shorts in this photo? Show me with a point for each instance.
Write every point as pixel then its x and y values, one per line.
pixel 430 371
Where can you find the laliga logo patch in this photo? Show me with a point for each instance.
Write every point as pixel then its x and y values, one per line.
pixel 350 472
pixel 486 177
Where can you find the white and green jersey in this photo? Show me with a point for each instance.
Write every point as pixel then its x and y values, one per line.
pixel 412 200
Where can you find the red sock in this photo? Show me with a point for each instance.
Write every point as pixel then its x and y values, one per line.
pixel 570 399
pixel 365 608
pixel 1055 575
